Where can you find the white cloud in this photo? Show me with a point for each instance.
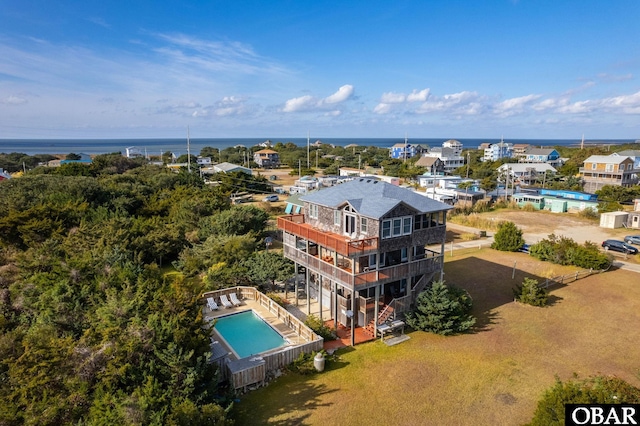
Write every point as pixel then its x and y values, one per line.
pixel 392 98
pixel 420 96
pixel 14 100
pixel 514 106
pixel 466 103
pixel 382 108
pixel 344 93
pixel 310 103
pixel 299 104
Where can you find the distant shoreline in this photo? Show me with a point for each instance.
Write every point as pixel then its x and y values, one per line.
pixel 179 146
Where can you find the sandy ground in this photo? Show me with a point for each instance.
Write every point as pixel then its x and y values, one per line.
pixel 539 225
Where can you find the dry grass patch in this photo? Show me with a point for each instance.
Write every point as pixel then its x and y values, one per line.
pixel 493 376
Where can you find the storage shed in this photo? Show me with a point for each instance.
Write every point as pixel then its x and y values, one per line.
pixel 613 220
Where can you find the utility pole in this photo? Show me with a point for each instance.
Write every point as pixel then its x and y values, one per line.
pixel 188 152
pixel 308 145
pixel 468 153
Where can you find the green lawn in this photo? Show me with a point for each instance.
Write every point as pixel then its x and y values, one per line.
pixel 493 376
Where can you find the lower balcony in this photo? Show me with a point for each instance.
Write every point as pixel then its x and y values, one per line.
pixel 356 281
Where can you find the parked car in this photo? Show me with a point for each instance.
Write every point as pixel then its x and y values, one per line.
pixel 632 239
pixel 620 246
pixel 525 248
pixel 271 198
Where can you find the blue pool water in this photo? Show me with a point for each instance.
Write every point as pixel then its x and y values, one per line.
pixel 248 334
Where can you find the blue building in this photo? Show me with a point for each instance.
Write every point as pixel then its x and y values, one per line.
pixel 402 151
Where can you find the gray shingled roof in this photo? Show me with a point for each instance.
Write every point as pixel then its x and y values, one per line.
pixel 373 198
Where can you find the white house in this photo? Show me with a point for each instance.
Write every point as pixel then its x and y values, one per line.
pixel 496 151
pixel 527 173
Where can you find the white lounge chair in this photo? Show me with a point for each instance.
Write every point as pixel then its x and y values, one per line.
pixel 225 302
pixel 212 304
pixel 234 299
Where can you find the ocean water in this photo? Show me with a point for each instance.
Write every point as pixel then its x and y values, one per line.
pixel 179 146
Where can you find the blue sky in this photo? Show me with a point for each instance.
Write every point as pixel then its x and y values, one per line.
pixel 427 69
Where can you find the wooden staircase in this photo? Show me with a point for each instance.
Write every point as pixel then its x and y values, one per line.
pixel 383 315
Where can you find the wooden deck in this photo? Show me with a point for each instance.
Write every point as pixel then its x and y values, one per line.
pixel 344 337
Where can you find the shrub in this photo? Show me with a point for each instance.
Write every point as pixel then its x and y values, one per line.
pixel 600 390
pixel 442 309
pixel 304 363
pixel 565 251
pixel 589 213
pixel 277 298
pixel 508 237
pixel 530 293
pixel 316 324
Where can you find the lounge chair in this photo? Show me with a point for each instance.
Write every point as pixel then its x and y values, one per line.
pixel 234 299
pixel 225 302
pixel 212 304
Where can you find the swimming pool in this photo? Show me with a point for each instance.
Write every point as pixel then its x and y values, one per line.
pixel 248 334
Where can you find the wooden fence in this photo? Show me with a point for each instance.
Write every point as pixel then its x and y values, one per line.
pixel 254 370
pixel 569 278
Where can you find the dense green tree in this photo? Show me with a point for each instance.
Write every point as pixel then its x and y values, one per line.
pixel 442 309
pixel 508 237
pixel 530 293
pixel 268 267
pixel 596 390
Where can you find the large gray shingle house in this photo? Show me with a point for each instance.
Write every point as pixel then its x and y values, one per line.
pixel 363 245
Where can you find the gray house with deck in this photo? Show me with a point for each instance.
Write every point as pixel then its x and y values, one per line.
pixel 367 247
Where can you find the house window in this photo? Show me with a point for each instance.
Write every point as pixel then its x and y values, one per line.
pixel 403 254
pixel 337 216
pixel 396 227
pixel 593 166
pixel 313 211
pixel 609 168
pixel 406 225
pixel 386 229
pixel 364 225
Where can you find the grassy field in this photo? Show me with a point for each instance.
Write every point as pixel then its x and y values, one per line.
pixel 493 376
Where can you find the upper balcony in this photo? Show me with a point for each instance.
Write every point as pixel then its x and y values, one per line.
pixel 294 224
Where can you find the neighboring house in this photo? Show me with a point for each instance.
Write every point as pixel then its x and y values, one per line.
pixel 204 161
pixel 454 196
pixel 438 181
pixel 349 171
pixel 403 151
pixel 4 175
pixel 601 170
pixel 541 155
pixel 455 145
pixel 527 173
pixel 519 149
pixel 631 153
pixel 229 167
pixel 267 159
pixel 364 246
pixel 309 183
pixel 498 151
pixel 434 165
pixel 448 156
pixel 84 159
pixel 133 152
pixel 554 204
pixel 633 221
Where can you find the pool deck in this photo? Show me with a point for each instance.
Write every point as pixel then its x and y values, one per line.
pixel 290 335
